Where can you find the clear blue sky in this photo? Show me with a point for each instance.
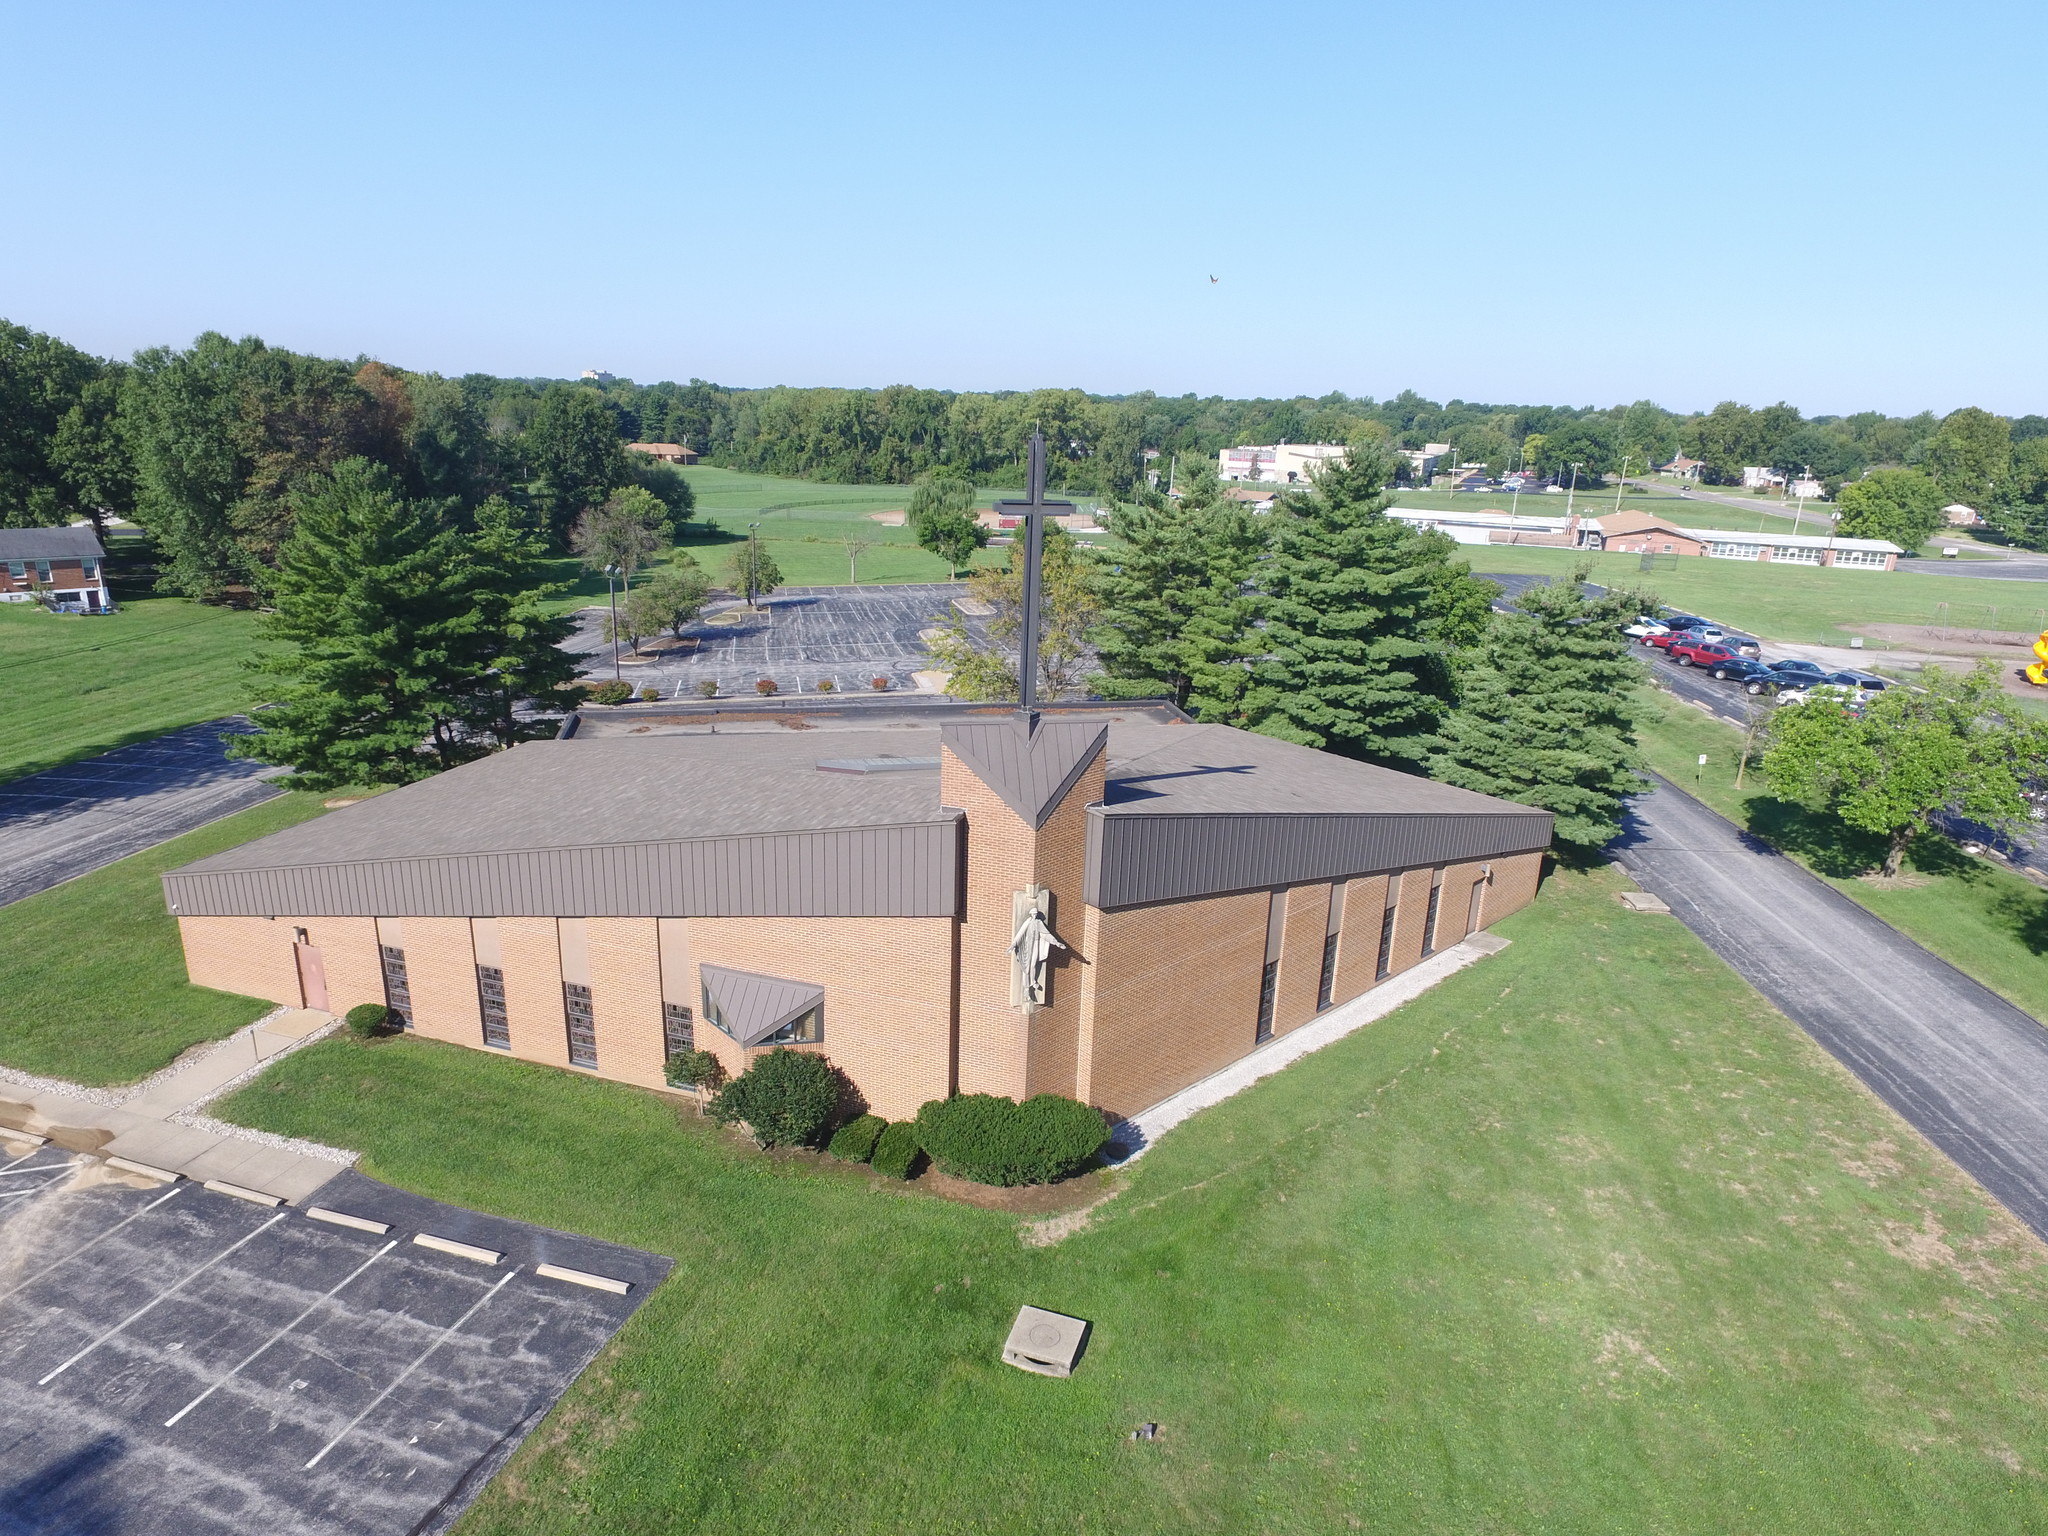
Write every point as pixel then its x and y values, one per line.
pixel 1836 204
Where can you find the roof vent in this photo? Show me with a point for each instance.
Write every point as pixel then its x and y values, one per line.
pixel 886 763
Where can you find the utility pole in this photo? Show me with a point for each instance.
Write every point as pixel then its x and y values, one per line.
pixel 1621 481
pixel 753 558
pixel 1570 493
pixel 612 591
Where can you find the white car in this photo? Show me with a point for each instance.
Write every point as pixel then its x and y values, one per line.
pixel 1833 693
pixel 1644 627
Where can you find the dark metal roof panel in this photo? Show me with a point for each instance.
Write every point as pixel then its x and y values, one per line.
pixel 1133 860
pixel 899 871
pixel 50 544
pixel 755 1006
pixel 1031 767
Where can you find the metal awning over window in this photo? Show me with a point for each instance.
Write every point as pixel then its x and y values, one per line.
pixel 751 1007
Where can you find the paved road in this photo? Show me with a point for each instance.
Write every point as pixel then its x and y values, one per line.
pixel 69 821
pixel 1963 1066
pixel 2007 568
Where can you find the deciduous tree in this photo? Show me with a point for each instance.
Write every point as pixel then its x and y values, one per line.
pixel 984 661
pixel 1901 505
pixel 623 534
pixel 573 453
pixel 1952 743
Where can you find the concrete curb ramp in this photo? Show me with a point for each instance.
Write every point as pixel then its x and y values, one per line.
pixel 1135 1136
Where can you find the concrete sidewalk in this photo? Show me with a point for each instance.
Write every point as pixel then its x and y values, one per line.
pixel 160 1129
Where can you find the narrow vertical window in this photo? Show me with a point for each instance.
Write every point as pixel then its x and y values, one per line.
pixel 1436 896
pixel 1385 968
pixel 1326 984
pixel 397 991
pixel 581 1020
pixel 1269 978
pixel 490 1002
pixel 678 1028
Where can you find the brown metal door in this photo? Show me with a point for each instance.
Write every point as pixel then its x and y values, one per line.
pixel 312 977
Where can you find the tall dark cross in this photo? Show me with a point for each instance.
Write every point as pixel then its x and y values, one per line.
pixel 1031 515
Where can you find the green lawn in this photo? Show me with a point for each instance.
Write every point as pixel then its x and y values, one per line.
pixel 92 978
pixel 1587 1239
pixel 75 685
pixel 1810 604
pixel 1985 921
pixel 1595 503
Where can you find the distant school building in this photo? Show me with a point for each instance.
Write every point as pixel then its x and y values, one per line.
pixel 1645 533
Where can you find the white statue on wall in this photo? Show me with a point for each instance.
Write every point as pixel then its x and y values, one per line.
pixel 1031 945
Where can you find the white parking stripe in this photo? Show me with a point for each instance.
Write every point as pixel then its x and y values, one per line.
pixel 82 1247
pixel 161 1296
pixel 46 1168
pixel 21 1159
pixel 287 1328
pixel 446 1334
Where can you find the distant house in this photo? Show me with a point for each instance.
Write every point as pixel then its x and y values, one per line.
pixel 1960 516
pixel 1643 533
pixel 1806 488
pixel 1258 501
pixel 597 376
pixel 668 453
pixel 1682 467
pixel 1422 462
pixel 1760 477
pixel 64 567
pixel 1286 463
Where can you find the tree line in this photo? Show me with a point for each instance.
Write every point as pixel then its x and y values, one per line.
pixel 204 444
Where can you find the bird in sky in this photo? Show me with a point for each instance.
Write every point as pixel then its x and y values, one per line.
pixel 1212 277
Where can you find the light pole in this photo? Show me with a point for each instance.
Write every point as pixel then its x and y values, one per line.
pixel 1570 493
pixel 612 591
pixel 1833 519
pixel 753 558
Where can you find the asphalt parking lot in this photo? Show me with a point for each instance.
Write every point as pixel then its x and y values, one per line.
pixel 178 1360
pixel 800 635
pixel 69 821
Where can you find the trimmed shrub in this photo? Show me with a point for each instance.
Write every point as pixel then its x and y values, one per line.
pixel 367 1021
pixel 765 687
pixel 879 684
pixel 897 1152
pixel 994 1140
pixel 785 1098
pixel 855 1140
pixel 708 689
pixel 826 685
pixel 611 693
pixel 650 695
pixel 694 1069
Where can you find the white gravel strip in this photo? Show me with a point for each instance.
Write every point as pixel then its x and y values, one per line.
pixel 1137 1134
pixel 114 1098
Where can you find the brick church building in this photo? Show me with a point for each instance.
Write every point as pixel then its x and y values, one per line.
pixel 1102 900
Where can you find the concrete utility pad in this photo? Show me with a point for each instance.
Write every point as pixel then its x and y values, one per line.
pixel 177 1360
pixel 69 821
pixel 800 635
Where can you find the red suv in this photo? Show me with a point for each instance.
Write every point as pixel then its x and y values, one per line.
pixel 1700 653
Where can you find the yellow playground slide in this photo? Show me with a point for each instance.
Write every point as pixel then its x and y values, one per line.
pixel 2038 671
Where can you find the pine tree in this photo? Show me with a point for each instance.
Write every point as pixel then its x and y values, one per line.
pixel 520 680
pixel 374 611
pixel 1547 715
pixel 1176 604
pixel 1361 616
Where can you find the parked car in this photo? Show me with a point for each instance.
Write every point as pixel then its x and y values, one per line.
pixel 1671 637
pixel 1869 682
pixel 1645 625
pixel 1851 699
pixel 1797 673
pixel 1700 653
pixel 1755 677
pixel 1743 645
pixel 1685 621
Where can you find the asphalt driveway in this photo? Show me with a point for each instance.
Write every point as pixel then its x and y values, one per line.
pixel 1963 1066
pixel 66 822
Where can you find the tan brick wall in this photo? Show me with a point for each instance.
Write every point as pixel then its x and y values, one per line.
pixel 1514 886
pixel 625 996
pixel 1453 922
pixel 1003 1049
pixel 348 954
pixel 1301 956
pixel 1173 995
pixel 440 972
pixel 251 956
pixel 533 989
pixel 1358 937
pixel 888 995
pixel 1408 920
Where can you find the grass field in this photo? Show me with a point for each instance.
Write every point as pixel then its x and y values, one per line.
pixel 1813 605
pixel 1987 922
pixel 1596 503
pixel 92 977
pixel 1588 1239
pixel 75 685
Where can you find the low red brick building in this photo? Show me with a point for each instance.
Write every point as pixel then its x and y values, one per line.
pixel 874 879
